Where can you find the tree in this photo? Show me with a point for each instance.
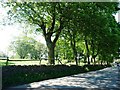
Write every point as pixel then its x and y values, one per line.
pixel 38 51
pixel 95 25
pixel 27 47
pixel 71 35
pixel 49 17
pixel 93 22
pixel 21 46
pixel 63 50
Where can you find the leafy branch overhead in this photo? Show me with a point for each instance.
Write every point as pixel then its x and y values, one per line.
pixel 89 26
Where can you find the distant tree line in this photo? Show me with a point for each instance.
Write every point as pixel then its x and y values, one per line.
pixel 26 47
pixel 3 55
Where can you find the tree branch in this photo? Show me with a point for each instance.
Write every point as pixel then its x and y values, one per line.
pixel 42 25
pixel 53 20
pixel 32 8
pixel 59 31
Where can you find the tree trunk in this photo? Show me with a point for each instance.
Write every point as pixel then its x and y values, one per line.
pixel 73 45
pixel 85 58
pixel 75 56
pixel 101 62
pixel 49 32
pixel 86 44
pixel 93 50
pixel 51 58
pixel 91 59
pixel 94 60
pixel 107 63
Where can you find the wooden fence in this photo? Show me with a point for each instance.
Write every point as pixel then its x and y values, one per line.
pixel 9 60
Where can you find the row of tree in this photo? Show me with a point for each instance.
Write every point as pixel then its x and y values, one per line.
pixel 88 28
pixel 94 33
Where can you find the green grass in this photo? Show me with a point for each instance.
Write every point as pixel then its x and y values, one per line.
pixel 43 62
pixel 4 63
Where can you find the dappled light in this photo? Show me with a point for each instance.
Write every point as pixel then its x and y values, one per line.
pixel 106 78
pixel 74 45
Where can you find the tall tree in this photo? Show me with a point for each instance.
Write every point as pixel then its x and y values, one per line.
pixel 49 17
pixel 27 47
pixel 96 23
pixel 92 20
pixel 63 49
pixel 21 46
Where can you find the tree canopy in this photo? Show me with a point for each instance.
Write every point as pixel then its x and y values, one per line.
pixel 27 47
pixel 90 24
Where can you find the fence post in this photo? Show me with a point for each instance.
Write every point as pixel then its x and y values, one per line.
pixel 40 61
pixel 7 61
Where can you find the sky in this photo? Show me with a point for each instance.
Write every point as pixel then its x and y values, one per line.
pixel 8 33
pixel 6 36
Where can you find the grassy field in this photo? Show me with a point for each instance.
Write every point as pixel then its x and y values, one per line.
pixel 34 62
pixel 3 62
pixel 43 62
pixel 37 62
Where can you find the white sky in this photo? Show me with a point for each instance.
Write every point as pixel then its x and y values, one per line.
pixel 8 33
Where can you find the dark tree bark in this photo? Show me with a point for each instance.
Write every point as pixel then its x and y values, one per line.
pixel 48 33
pixel 51 47
pixel 72 36
pixel 94 54
pixel 87 54
pixel 73 45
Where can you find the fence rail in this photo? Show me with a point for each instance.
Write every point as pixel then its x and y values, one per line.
pixel 8 60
